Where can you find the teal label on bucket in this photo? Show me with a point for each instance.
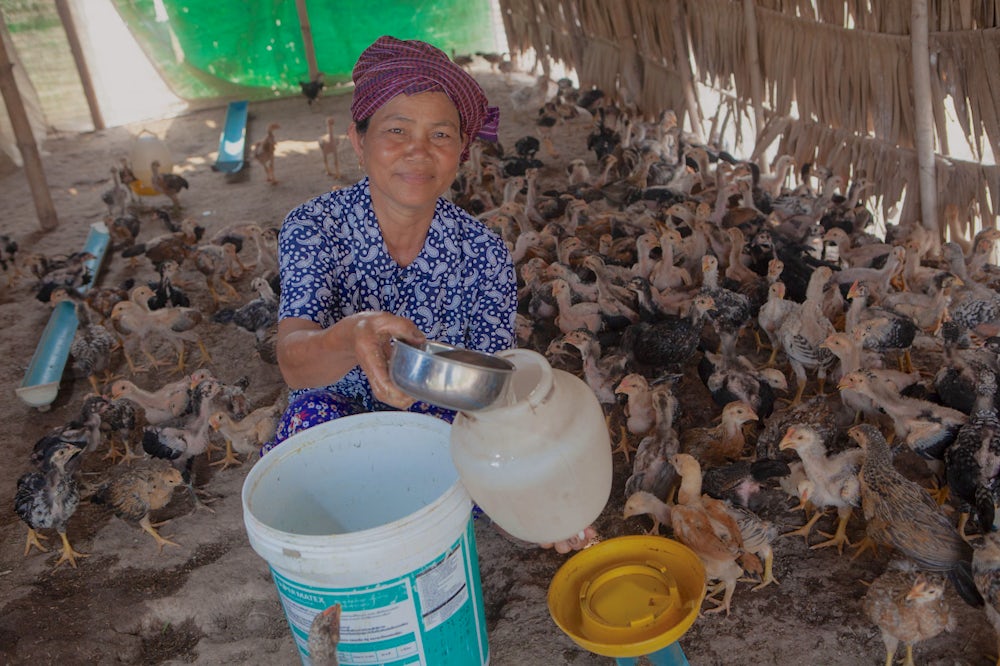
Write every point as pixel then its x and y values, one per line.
pixel 432 616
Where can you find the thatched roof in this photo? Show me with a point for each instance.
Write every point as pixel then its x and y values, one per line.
pixel 836 77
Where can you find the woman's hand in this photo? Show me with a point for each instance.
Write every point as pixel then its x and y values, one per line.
pixel 372 333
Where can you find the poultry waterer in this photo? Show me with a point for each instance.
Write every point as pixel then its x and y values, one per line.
pixel 628 597
pixel 147 148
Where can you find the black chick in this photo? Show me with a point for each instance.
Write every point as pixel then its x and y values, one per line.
pixel 739 481
pixel 312 89
pixel 526 146
pixel 8 252
pixel 972 462
pixel 48 497
pixel 652 347
pixel 729 379
pixel 955 380
pixel 165 292
pixel 69 271
pixel 257 315
pixel 902 515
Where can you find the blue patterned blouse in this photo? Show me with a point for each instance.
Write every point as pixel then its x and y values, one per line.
pixel 460 289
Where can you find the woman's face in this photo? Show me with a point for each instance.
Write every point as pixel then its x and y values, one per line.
pixel 411 150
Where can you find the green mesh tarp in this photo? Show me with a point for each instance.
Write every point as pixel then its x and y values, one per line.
pixel 253 48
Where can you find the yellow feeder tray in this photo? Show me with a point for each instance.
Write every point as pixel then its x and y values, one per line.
pixel 142 189
pixel 628 596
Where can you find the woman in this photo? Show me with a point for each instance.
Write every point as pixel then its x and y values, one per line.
pixel 389 256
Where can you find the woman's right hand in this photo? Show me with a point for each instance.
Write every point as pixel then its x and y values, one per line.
pixel 372 333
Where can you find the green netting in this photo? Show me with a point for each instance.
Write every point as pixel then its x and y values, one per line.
pixel 252 48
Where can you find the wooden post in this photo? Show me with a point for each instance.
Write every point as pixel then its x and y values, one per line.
pixel 753 64
pixel 66 16
pixel 307 39
pixel 19 122
pixel 924 117
pixel 684 70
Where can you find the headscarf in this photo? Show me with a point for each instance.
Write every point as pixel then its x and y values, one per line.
pixel 392 66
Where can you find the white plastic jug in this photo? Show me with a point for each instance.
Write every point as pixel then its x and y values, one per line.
pixel 539 464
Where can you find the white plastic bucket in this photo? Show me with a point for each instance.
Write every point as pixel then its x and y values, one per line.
pixel 367 511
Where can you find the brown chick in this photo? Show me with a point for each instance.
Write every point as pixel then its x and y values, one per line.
pixel 716 445
pixel 136 490
pixel 907 609
pixel 169 184
pixel 263 152
pixel 328 144
pixel 246 435
pixel 702 524
pixel 986 572
pixel 902 515
pixel 324 636
pixel 645 503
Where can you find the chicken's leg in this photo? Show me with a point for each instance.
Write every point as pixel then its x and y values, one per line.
pixel 68 554
pixel 35 539
pixel 840 537
pixel 229 459
pixel 805 529
pixel 150 529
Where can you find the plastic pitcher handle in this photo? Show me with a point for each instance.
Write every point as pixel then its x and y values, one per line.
pixel 528 361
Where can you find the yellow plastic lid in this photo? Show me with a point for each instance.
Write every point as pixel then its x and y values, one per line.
pixel 142 189
pixel 629 596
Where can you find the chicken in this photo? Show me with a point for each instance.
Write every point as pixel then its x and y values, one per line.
pixel 48 496
pixel 715 445
pixel 176 245
pixel 312 88
pixel 730 378
pixel 834 480
pixel 772 315
pixel 804 330
pixel 815 413
pixel 256 315
pixel 163 404
pixel 572 316
pixel 986 573
pixel 175 325
pixel 324 636
pixel 653 347
pixel 246 435
pixel 640 416
pixel 181 440
pixel 263 152
pixel 645 503
pixel 703 525
pixel 116 197
pixel 907 609
pixel 92 344
pixel 328 145
pixel 133 492
pixel 739 482
pixel 972 462
pixel 602 373
pixel 168 184
pixel 67 271
pixel 124 420
pixel 219 264
pixel 651 469
pixel 758 535
pixel 884 330
pixel 166 293
pixel 731 313
pixel 902 515
pixel 927 428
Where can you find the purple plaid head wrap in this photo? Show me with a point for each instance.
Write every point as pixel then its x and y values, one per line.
pixel 392 66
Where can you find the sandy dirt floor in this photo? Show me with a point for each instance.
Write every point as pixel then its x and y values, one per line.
pixel 211 600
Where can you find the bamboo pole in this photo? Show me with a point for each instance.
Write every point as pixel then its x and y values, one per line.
pixel 684 70
pixel 21 126
pixel 753 64
pixel 924 116
pixel 75 47
pixel 307 40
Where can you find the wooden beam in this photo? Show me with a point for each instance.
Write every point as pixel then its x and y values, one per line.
pixel 69 25
pixel 924 117
pixel 19 122
pixel 684 70
pixel 307 39
pixel 756 86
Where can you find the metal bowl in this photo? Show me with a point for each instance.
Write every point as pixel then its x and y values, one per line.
pixel 449 376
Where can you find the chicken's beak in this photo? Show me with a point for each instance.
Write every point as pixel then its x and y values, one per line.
pixel 786 441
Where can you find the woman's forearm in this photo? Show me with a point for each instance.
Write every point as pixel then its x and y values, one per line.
pixel 310 356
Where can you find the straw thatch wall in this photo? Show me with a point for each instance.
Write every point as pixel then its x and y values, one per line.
pixel 836 78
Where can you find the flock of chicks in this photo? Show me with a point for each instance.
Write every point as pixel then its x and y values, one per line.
pixel 151 437
pixel 647 275
pixel 658 268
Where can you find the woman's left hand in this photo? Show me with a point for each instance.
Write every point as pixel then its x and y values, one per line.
pixel 373 333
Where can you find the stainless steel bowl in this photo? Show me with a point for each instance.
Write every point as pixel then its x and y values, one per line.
pixel 449 376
